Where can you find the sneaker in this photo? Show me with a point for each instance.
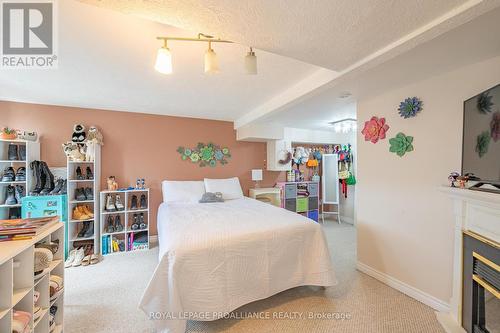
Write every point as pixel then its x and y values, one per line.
pixel 133 202
pixel 71 258
pixel 143 202
pixel 110 205
pixel 142 224
pixel 9 175
pixel 12 153
pixel 118 203
pixel 11 196
pixel 19 193
pixel 89 193
pixel 22 152
pixel 80 194
pixel 21 174
pixel 80 254
pixel 135 225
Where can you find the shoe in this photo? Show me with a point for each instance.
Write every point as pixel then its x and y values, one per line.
pixel 64 188
pixel 142 224
pixel 90 230
pixel 12 153
pixel 143 204
pixel 89 193
pixel 14 213
pixel 86 209
pixel 49 179
pixel 21 174
pixel 86 226
pixel 19 193
pixel 89 175
pixel 133 202
pixel 135 225
pixel 118 224
pixel 80 194
pixel 109 225
pixel 22 152
pixel 37 177
pixel 79 214
pixel 79 175
pixel 9 175
pixel 118 203
pixel 80 254
pixel 57 189
pixel 70 259
pixel 10 198
pixel 110 205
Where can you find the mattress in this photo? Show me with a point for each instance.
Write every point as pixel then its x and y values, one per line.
pixel 216 257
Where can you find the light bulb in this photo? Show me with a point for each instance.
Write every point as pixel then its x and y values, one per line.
pixel 211 65
pixel 251 63
pixel 164 61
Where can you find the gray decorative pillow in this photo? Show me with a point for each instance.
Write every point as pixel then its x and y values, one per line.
pixel 211 197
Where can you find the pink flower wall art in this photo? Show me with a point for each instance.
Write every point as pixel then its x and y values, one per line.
pixel 495 126
pixel 375 129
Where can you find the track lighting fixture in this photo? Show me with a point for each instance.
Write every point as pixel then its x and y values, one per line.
pixel 345 125
pixel 164 56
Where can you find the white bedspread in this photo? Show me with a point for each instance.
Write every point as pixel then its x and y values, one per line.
pixel 216 257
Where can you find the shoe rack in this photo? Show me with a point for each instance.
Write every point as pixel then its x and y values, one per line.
pixel 32 154
pixel 18 282
pixel 74 225
pixel 127 219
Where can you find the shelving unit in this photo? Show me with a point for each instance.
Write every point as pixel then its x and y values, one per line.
pixel 293 200
pixel 126 217
pixel 18 283
pixel 32 154
pixel 74 225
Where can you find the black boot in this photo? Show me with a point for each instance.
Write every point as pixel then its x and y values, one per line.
pixel 12 153
pixel 143 202
pixel 10 198
pixel 133 202
pixel 79 175
pixel 22 152
pixel 37 176
pixel 85 227
pixel 89 175
pixel 58 187
pixel 64 188
pixel 49 179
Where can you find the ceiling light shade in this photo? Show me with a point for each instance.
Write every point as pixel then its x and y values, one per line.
pixel 345 125
pixel 164 61
pixel 251 63
pixel 211 64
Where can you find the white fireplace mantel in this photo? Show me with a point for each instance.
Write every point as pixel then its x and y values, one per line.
pixel 477 212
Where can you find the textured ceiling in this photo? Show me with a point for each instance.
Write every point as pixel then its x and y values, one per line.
pixel 106 61
pixel 332 34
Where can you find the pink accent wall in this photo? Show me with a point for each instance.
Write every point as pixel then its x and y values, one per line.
pixel 140 145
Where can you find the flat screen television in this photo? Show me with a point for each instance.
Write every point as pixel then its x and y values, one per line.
pixel 481 139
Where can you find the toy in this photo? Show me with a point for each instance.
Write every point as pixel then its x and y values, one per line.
pixel 74 153
pixel 95 136
pixel 112 184
pixel 78 135
pixel 301 155
pixel 453 178
pixel 90 151
pixel 462 181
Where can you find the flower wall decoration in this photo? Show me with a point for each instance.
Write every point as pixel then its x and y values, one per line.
pixel 484 102
pixel 483 142
pixel 375 129
pixel 495 126
pixel 410 107
pixel 205 154
pixel 401 144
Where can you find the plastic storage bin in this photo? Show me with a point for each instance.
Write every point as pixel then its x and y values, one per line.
pixel 302 204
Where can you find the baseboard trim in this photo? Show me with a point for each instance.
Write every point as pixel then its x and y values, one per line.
pixel 406 289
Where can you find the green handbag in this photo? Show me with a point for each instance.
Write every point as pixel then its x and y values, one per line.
pixel 351 180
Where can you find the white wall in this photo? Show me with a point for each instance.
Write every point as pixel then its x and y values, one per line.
pixel 405 225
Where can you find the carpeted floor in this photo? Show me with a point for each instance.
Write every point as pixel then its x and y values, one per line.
pixel 104 298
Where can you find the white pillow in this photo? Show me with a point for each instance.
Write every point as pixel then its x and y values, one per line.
pixel 182 191
pixel 230 187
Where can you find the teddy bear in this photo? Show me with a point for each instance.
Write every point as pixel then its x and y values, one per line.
pixel 95 135
pixel 72 150
pixel 78 133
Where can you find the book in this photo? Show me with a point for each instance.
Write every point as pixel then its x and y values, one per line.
pixel 25 227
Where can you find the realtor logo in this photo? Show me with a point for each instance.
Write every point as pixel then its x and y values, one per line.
pixel 28 31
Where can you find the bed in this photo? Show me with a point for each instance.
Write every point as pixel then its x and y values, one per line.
pixel 216 257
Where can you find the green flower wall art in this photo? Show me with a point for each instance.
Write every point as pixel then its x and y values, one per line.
pixel 483 142
pixel 401 144
pixel 205 154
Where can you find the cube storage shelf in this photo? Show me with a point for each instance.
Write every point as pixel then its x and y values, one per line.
pixel 32 154
pixel 126 216
pixel 301 197
pixel 18 283
pixel 73 226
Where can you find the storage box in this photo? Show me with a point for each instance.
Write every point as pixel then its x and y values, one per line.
pixel 302 204
pixel 313 215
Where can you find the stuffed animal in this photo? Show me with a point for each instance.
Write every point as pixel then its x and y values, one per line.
pixel 112 184
pixel 72 150
pixel 301 155
pixel 78 133
pixel 95 135
pixel 90 151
